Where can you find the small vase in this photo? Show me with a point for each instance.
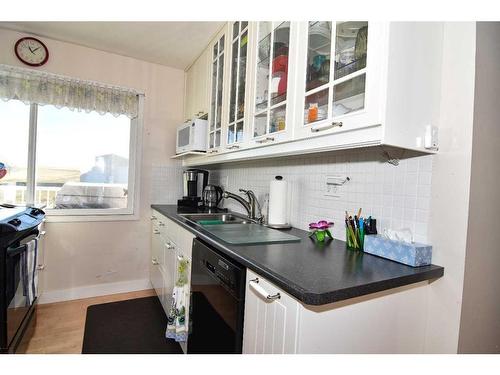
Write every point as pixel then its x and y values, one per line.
pixel 320 235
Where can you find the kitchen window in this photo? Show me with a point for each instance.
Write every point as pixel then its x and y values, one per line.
pixel 69 158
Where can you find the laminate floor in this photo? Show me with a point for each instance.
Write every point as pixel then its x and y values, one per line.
pixel 59 326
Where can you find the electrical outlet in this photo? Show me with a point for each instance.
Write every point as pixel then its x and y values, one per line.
pixel 334 185
pixel 332 190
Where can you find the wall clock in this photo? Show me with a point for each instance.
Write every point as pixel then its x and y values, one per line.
pixel 31 51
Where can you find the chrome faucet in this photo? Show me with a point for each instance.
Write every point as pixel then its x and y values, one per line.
pixel 252 206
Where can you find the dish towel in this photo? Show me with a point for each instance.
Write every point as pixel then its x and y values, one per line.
pixel 176 324
pixel 29 271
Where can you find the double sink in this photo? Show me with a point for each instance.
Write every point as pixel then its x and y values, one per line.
pixel 218 218
pixel 238 229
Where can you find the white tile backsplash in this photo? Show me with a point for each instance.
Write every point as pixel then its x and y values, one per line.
pixel 397 196
pixel 166 184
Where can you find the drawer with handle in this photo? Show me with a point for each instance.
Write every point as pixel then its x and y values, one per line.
pixel 263 289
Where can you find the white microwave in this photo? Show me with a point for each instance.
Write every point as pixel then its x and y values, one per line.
pixel 192 136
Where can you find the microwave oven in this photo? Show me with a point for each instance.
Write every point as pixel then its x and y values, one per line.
pixel 192 136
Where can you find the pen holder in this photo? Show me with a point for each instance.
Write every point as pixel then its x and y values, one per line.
pixel 354 239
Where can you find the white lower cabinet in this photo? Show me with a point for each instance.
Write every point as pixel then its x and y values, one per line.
pixel 270 325
pixel 169 244
pixel 155 269
pixel 392 321
pixel 41 261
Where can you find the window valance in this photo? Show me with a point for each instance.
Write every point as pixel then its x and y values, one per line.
pixel 40 87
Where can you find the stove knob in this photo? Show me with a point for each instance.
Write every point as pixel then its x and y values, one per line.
pixel 15 222
pixel 36 212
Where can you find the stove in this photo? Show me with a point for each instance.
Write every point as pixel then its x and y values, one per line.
pixel 18 226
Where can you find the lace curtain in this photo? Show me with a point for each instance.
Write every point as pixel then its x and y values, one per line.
pixel 46 88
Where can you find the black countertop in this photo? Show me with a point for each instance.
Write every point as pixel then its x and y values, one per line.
pixel 314 273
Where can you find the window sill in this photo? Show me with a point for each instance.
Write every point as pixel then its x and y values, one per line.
pixel 88 218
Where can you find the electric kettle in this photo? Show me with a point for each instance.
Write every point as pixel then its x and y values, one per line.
pixel 212 195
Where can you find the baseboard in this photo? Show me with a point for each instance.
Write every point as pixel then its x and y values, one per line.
pixel 94 291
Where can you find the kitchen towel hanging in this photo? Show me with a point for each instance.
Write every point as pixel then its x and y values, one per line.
pixel 29 271
pixel 176 326
pixel 278 190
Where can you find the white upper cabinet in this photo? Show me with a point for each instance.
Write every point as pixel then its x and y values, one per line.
pixel 322 85
pixel 338 77
pixel 196 100
pixel 218 92
pixel 237 113
pixel 271 98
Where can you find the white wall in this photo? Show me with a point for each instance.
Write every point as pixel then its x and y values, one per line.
pixel 480 320
pixel 450 186
pixel 112 255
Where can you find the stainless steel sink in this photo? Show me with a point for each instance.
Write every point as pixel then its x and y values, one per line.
pixel 217 218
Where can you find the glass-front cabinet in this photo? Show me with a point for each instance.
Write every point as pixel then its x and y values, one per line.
pixel 215 118
pixel 332 83
pixel 237 96
pixel 271 109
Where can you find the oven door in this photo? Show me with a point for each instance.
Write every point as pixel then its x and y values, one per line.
pixel 17 302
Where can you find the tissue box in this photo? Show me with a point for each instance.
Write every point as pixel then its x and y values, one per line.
pixel 411 254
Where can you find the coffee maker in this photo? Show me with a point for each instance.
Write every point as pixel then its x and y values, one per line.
pixel 194 182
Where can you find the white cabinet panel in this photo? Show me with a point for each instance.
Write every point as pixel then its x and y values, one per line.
pixel 170 270
pixel 270 326
pixel 197 87
pixel 285 325
pixel 41 258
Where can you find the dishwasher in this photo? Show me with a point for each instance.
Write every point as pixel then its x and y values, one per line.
pixel 217 302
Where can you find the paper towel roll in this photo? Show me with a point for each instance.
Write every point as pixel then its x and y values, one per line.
pixel 278 201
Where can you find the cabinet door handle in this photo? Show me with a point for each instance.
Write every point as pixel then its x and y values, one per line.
pixel 154 261
pixel 156 231
pixel 265 140
pixel 161 224
pixel 233 147
pixel 254 284
pixel 154 218
pixel 326 127
pixel 40 267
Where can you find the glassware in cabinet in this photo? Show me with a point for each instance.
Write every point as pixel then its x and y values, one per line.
pixel 271 78
pixel 238 81
pixel 215 119
pixel 328 93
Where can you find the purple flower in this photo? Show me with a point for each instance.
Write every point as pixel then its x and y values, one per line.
pixel 321 225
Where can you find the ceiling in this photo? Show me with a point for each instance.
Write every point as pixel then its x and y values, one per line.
pixel 175 44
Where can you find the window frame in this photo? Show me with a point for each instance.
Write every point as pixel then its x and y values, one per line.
pixel 131 212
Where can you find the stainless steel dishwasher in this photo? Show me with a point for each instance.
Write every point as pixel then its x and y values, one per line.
pixel 217 302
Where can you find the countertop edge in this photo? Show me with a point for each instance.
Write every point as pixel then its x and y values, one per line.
pixel 298 292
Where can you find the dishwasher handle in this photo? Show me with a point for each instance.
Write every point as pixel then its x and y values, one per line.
pixel 261 292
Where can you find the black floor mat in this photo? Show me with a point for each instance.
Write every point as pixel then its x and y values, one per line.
pixel 134 326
